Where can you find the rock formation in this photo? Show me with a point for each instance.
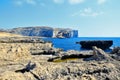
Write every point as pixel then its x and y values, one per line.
pixel 99 55
pixel 64 33
pixel 33 31
pixel 43 31
pixel 115 53
pixel 103 44
pixel 20 48
pixel 17 62
pixel 70 55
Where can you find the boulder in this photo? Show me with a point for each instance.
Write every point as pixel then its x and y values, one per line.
pixel 115 53
pixel 103 44
pixel 99 55
pixel 116 50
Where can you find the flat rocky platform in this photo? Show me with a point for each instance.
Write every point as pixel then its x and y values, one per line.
pixel 40 61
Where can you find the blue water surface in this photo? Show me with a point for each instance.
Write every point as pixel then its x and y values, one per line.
pixel 70 43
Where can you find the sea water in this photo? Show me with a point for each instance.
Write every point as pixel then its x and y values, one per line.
pixel 70 43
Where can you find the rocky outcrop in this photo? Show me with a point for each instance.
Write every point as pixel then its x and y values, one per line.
pixel 43 31
pixel 64 33
pixel 16 62
pixel 22 48
pixel 103 44
pixel 99 55
pixel 115 53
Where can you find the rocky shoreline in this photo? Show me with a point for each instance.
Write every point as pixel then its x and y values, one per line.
pixel 26 58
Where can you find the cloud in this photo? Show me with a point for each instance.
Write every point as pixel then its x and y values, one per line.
pixel 58 1
pixel 18 3
pixel 101 1
pixel 22 2
pixel 69 1
pixel 33 2
pixel 75 1
pixel 88 12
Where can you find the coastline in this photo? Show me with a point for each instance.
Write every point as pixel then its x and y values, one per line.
pixel 29 61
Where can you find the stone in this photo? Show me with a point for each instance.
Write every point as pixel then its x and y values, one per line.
pixel 103 44
pixel 70 55
pixel 115 50
pixel 21 65
pixel 115 53
pixel 27 68
pixel 99 55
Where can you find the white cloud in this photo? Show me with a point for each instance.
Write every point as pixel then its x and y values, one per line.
pixel 22 2
pixel 33 2
pixel 87 12
pixel 18 3
pixel 69 1
pixel 101 1
pixel 75 1
pixel 58 1
pixel 30 2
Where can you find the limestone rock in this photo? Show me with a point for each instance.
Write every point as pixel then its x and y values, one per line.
pixel 43 31
pixel 115 53
pixel 71 55
pixel 33 31
pixel 9 75
pixel 103 44
pixel 99 55
pixel 64 33
pixel 13 51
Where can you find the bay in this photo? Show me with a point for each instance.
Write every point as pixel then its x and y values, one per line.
pixel 70 43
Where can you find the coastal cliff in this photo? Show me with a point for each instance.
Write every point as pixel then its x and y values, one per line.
pixel 30 58
pixel 43 31
pixel 33 31
pixel 64 33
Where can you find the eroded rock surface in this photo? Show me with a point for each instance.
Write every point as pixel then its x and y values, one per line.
pixel 18 63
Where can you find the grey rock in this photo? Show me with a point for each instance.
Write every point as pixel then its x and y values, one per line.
pixel 103 44
pixel 99 55
pixel 43 31
pixel 33 31
pixel 115 53
pixel 70 54
pixel 64 33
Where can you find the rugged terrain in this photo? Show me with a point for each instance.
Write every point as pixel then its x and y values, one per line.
pixel 29 58
pixel 43 31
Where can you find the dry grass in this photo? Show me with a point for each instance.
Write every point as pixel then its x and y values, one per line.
pixel 5 34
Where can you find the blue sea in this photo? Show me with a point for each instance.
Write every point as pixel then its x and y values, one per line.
pixel 70 43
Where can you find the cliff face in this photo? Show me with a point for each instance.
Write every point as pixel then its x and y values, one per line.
pixel 33 31
pixel 64 33
pixel 45 32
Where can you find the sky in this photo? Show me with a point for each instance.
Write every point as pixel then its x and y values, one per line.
pixel 92 18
